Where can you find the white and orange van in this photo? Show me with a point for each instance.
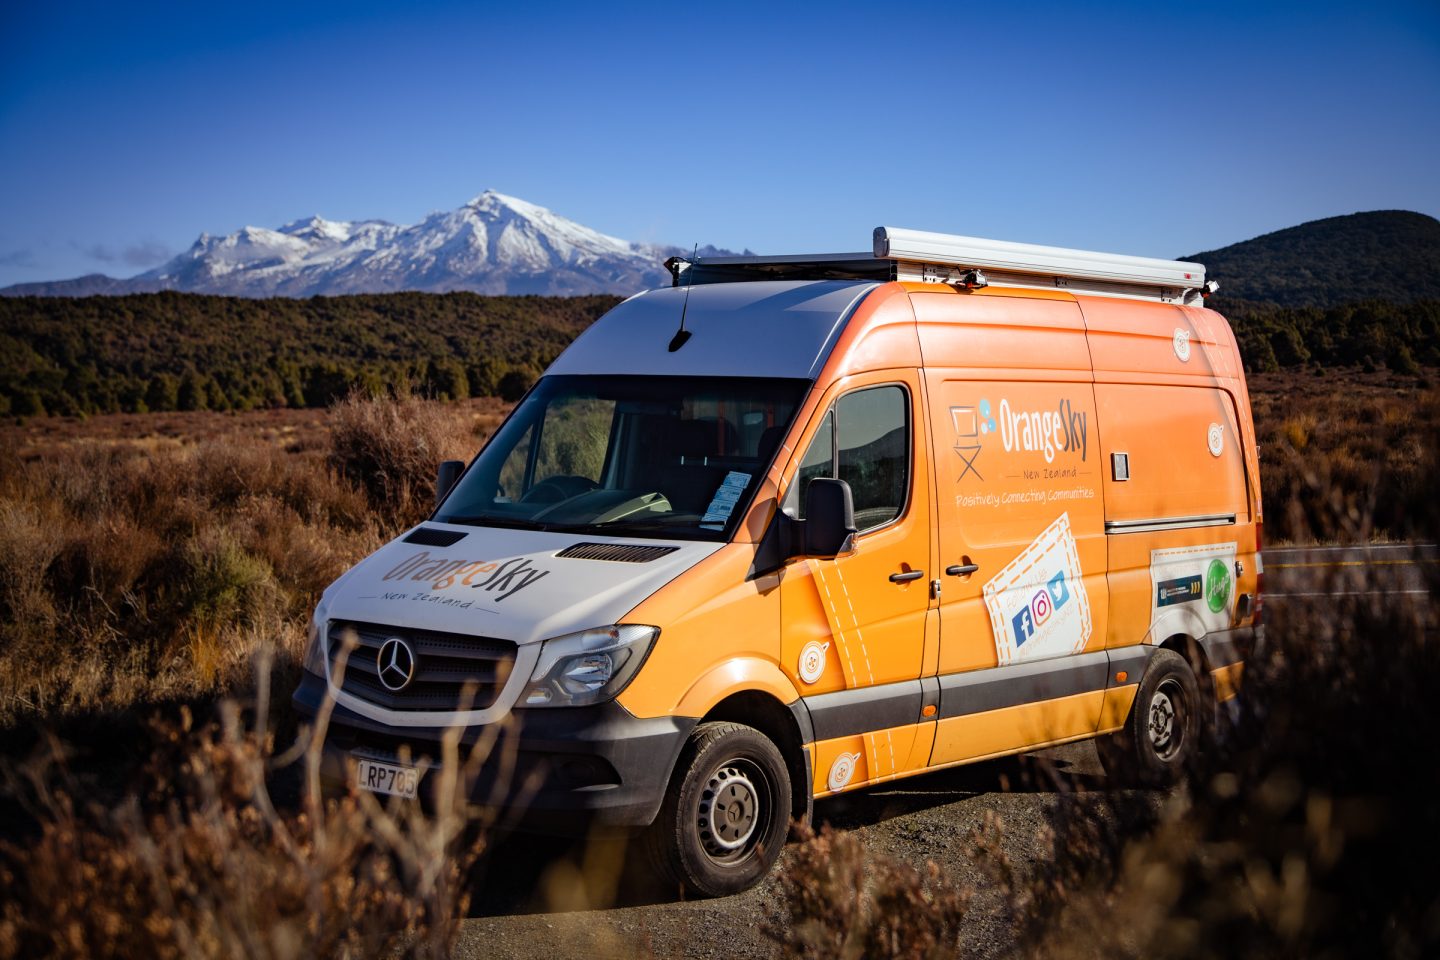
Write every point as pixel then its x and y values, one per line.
pixel 800 525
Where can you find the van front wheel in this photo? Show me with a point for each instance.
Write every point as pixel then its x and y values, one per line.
pixel 726 814
pixel 1161 735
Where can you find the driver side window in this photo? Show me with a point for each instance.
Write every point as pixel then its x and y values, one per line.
pixel 865 441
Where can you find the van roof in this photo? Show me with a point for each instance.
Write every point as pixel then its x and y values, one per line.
pixel 921 256
pixel 771 328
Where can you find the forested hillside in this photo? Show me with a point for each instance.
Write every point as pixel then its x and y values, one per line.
pixel 171 351
pixel 1382 255
pixel 1371 334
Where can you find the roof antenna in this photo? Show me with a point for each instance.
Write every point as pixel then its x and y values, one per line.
pixel 682 335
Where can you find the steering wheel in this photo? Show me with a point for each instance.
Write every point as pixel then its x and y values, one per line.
pixel 558 488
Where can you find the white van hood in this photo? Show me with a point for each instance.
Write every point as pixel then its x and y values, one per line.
pixel 506 584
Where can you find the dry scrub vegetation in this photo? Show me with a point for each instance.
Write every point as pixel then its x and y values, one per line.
pixel 1343 454
pixel 144 570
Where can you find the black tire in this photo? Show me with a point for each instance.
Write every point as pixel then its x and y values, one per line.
pixel 1162 734
pixel 726 814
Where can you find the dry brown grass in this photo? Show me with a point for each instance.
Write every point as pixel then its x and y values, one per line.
pixel 147 565
pixel 201 864
pixel 840 901
pixel 1341 454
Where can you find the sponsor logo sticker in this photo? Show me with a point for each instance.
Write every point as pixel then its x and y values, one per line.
pixel 1217 586
pixel 1180 590
pixel 1038 605
pixel 1193 587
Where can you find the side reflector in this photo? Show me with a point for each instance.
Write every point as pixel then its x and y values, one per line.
pixel 928 710
pixel 1121 676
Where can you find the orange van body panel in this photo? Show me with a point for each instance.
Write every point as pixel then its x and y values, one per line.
pixel 1068 382
pixel 845 763
pixel 718 627
pixel 1029 726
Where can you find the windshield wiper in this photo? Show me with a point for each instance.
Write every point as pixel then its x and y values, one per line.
pixel 658 523
pixel 511 523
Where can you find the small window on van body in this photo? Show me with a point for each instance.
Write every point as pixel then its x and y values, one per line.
pixel 868 434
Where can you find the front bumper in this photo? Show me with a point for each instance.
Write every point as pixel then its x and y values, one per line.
pixel 555 769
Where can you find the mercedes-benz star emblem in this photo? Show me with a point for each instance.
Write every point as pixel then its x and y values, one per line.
pixel 396 664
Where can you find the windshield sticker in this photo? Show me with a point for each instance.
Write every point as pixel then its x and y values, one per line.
pixel 1195 583
pixel 723 503
pixel 1038 605
pixel 503 578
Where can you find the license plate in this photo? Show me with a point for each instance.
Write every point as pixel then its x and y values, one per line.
pixel 392 778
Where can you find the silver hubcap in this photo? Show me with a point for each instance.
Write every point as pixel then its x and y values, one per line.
pixel 729 811
pixel 1163 723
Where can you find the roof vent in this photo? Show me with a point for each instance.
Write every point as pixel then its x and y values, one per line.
pixel 617 552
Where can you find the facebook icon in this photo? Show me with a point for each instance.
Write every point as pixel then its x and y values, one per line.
pixel 1024 625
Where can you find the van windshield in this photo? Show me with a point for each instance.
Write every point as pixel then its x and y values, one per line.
pixel 675 457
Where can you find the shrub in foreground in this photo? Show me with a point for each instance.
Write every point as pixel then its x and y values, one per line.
pixel 204 865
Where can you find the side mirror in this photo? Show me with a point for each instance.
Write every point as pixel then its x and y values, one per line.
pixel 446 476
pixel 829 518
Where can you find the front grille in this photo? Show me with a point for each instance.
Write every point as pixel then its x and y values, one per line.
pixel 452 671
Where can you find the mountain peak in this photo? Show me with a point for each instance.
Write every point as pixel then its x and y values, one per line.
pixel 494 244
pixel 493 202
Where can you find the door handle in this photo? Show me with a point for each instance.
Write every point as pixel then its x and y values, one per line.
pixel 907 576
pixel 961 570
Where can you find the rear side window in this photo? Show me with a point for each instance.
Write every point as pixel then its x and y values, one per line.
pixel 865 441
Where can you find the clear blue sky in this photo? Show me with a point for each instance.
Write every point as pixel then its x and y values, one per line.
pixel 1149 128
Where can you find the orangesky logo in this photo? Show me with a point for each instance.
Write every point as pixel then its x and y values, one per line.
pixel 1063 430
pixel 504 579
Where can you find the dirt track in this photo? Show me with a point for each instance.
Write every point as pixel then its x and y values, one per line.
pixel 531 901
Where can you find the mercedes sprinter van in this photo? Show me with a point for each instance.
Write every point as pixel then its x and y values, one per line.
pixel 801 525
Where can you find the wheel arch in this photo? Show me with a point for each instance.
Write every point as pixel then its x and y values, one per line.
pixel 762 711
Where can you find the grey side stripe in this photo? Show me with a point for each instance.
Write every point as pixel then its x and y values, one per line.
pixel 845 713
pixel 977 691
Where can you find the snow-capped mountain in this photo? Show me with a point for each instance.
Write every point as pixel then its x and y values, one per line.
pixel 494 244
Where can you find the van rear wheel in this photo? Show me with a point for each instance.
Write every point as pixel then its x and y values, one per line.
pixel 725 817
pixel 1162 733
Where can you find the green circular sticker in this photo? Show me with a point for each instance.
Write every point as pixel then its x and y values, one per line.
pixel 1217 586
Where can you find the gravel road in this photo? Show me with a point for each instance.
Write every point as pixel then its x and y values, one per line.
pixel 534 899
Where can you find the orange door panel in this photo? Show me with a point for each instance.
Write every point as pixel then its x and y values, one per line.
pixel 859 621
pixel 1021 533
pixel 1181 518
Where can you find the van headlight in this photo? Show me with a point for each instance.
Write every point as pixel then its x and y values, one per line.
pixel 591 666
pixel 314 657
